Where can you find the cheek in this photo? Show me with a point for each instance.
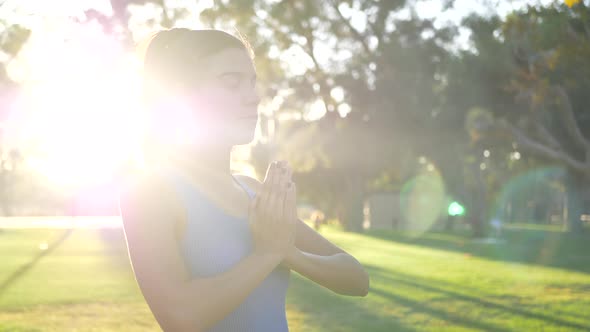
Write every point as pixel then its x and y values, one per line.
pixel 215 103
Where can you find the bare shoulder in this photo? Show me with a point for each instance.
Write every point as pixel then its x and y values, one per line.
pixel 147 193
pixel 149 210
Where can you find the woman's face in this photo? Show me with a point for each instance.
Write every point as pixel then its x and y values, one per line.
pixel 224 101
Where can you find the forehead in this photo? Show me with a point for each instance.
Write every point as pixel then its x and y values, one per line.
pixel 228 60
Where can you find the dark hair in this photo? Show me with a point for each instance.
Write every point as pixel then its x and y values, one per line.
pixel 172 57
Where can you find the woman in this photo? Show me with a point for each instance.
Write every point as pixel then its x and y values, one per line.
pixel 213 251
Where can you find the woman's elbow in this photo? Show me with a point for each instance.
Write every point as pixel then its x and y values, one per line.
pixel 359 287
pixel 366 285
pixel 363 285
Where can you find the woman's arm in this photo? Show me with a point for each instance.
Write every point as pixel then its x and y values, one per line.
pixel 321 261
pixel 178 302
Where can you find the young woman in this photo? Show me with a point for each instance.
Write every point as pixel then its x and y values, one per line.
pixel 211 250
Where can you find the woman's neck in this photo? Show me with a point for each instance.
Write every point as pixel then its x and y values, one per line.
pixel 206 166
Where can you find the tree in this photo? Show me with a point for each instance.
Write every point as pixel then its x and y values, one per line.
pixel 12 39
pixel 551 46
pixel 528 71
pixel 378 84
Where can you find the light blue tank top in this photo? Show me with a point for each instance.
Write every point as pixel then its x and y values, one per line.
pixel 213 243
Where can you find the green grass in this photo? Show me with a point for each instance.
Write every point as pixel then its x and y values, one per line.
pixel 536 281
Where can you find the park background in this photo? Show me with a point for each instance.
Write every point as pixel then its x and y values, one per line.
pixel 444 143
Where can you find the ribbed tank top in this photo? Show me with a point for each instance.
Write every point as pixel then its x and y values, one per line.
pixel 214 242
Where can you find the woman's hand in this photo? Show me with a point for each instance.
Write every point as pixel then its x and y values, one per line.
pixel 272 214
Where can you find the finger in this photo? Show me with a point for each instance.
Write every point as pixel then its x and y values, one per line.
pixel 274 199
pixel 286 203
pixel 268 178
pixel 284 178
pixel 287 169
pixel 294 203
pixel 276 178
pixel 262 204
pixel 267 185
pixel 290 202
pixel 270 185
pixel 280 207
pixel 279 198
pixel 264 187
pixel 268 170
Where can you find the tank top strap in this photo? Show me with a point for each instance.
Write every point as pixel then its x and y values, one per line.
pixel 249 191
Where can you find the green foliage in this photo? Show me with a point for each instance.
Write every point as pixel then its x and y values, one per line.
pixel 411 93
pixel 13 38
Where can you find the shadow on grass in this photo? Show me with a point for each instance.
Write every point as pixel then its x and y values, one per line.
pixel 445 291
pixel 325 310
pixel 26 267
pixel 538 247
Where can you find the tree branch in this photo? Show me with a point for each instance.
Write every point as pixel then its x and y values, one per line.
pixel 541 150
pixel 545 135
pixel 570 121
pixel 542 132
pixel 319 72
pixel 359 37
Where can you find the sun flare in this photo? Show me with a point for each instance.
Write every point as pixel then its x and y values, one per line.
pixel 79 106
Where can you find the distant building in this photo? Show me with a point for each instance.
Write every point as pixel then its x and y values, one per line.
pixel 389 210
pixel 382 211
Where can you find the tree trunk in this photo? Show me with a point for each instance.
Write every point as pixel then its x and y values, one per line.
pixel 353 209
pixel 354 215
pixel 477 215
pixel 573 203
pixel 450 223
pixel 5 192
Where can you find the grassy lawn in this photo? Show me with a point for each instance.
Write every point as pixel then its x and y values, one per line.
pixel 536 281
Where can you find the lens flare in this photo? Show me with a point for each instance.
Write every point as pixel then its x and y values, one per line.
pixel 531 205
pixel 423 201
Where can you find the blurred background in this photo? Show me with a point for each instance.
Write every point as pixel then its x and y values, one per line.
pixel 444 143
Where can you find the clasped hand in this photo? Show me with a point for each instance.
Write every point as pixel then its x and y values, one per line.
pixel 272 213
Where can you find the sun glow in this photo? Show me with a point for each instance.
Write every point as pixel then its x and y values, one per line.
pixel 78 106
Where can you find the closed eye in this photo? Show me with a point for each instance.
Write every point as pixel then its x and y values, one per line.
pixel 231 80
